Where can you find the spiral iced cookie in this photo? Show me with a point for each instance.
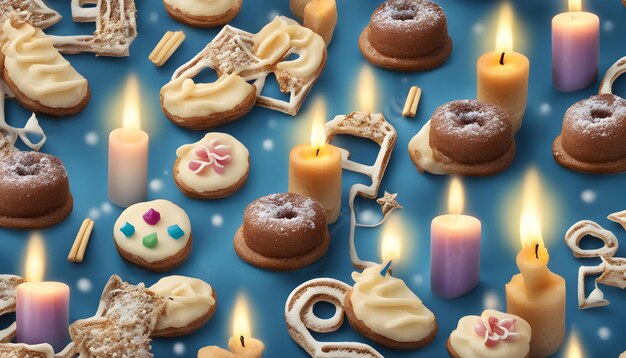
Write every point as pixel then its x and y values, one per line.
pixel 493 334
pixel 203 13
pixel 212 168
pixel 385 310
pixel 41 79
pixel 155 235
pixel 189 304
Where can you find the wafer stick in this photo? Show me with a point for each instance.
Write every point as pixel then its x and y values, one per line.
pixel 412 101
pixel 80 243
pixel 166 47
pixel 83 244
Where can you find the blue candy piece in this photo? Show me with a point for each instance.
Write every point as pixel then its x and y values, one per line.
pixel 175 231
pixel 128 230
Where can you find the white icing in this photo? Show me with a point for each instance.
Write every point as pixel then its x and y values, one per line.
pixel 186 300
pixel 389 308
pixel 203 7
pixel 183 97
pixel 208 180
pixel 420 143
pixel 38 70
pixel 167 246
pixel 466 343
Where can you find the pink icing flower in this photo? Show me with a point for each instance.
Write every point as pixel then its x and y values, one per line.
pixel 495 330
pixel 214 155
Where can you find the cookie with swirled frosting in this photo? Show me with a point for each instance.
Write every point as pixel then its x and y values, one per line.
pixel 189 304
pixel 385 310
pixel 37 74
pixel 203 13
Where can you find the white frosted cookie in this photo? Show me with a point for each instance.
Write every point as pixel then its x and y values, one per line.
pixel 155 235
pixel 41 78
pixel 212 168
pixel 203 13
pixel 189 304
pixel 493 334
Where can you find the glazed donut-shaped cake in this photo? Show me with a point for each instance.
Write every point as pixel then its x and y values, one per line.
pixel 406 35
pixel 593 137
pixel 283 231
pixel 471 137
pixel 34 191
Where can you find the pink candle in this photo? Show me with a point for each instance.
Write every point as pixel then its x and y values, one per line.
pixel 454 249
pixel 575 48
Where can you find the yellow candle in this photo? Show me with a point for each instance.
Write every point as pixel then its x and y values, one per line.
pixel 315 169
pixel 503 74
pixel 536 294
pixel 128 154
pixel 321 17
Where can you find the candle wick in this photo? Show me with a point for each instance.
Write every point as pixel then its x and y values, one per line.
pixel 383 272
pixel 243 341
pixel 502 58
pixel 537 251
pixel 317 151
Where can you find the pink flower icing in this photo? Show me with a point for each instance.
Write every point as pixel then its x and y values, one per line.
pixel 495 330
pixel 214 155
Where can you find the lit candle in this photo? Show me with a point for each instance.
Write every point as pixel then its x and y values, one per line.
pixel 391 243
pixel 241 344
pixel 315 169
pixel 503 74
pixel 42 308
pixel 536 294
pixel 575 48
pixel 454 248
pixel 128 154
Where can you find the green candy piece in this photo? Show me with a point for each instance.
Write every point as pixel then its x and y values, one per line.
pixel 151 240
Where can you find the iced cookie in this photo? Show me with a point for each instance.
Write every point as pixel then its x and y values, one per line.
pixel 189 304
pixel 39 77
pixel 155 235
pixel 8 289
pixel 464 137
pixel 212 168
pixel 593 136
pixel 203 13
pixel 493 334
pixel 34 191
pixel 385 310
pixel 406 35
pixel 283 232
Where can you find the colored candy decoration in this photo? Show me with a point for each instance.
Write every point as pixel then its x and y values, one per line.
pixel 128 230
pixel 214 155
pixel 152 217
pixel 175 231
pixel 151 240
pixel 495 330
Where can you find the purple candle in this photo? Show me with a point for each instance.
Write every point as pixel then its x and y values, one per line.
pixel 454 249
pixel 575 48
pixel 42 313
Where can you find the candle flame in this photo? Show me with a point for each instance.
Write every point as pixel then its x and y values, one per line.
pixel 504 34
pixel 131 116
pixel 318 131
pixel 241 317
pixel 530 224
pixel 391 243
pixel 456 196
pixel 35 259
pixel 574 348
pixel 575 5
pixel 366 90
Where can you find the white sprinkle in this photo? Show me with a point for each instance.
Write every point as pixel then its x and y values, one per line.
pixel 268 144
pixel 478 28
pixel 418 279
pixel 491 301
pixel 179 348
pixel 608 26
pixel 272 14
pixel 94 213
pixel 154 16
pixel 217 220
pixel 166 172
pixel 84 285
pixel 545 109
pixel 604 333
pixel 368 217
pixel 272 123
pixel 91 138
pixel 106 207
pixel 156 185
pixel 588 196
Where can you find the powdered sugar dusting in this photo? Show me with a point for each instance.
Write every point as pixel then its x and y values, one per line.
pixel 470 119
pixel 31 169
pixel 403 14
pixel 597 116
pixel 284 213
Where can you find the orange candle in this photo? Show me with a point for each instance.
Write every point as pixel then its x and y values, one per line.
pixel 315 169
pixel 503 74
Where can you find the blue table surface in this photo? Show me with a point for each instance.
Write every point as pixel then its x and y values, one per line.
pixel 81 142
